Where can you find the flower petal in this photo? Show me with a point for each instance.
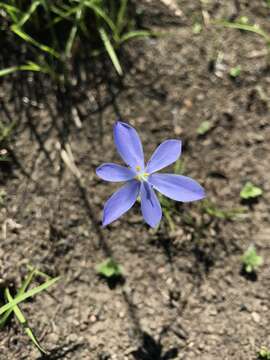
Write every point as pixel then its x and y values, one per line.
pixel 120 202
pixel 177 187
pixel 150 205
pixel 128 145
pixel 165 154
pixel 114 172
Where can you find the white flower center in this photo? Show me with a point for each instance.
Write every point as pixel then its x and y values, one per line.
pixel 141 175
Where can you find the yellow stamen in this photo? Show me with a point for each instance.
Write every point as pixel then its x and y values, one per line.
pixel 142 177
pixel 138 168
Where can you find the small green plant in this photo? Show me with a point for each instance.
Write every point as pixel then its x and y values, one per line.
pixel 6 130
pixel 250 191
pixel 264 353
pixel 109 268
pixel 12 305
pixel 197 28
pixel 243 20
pixel 204 128
pixel 235 71
pixel 250 260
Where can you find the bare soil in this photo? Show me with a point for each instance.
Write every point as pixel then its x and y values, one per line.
pixel 183 295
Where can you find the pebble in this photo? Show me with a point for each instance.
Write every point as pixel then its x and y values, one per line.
pixel 122 314
pixel 256 317
pixel 93 318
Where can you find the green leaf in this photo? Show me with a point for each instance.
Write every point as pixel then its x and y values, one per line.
pixel 21 291
pixel 27 15
pixel 197 28
pixel 246 27
pixel 29 66
pixel 108 46
pixel 109 268
pixel 121 16
pixel 18 31
pixel 22 320
pixel 204 127
pixel 135 34
pixel 250 191
pixel 264 353
pixel 235 71
pixel 12 11
pixel 243 20
pixel 74 30
pixel 101 14
pixel 6 130
pixel 27 295
pixel 251 260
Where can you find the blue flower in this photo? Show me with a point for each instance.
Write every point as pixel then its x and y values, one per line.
pixel 141 180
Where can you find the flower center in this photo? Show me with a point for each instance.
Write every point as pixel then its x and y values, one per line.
pixel 141 175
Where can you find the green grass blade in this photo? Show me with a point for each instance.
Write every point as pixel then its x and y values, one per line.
pixel 108 46
pixel 101 14
pixel 251 28
pixel 120 22
pixel 22 320
pixel 22 290
pixel 28 294
pixel 63 14
pixel 38 272
pixel 30 66
pixel 27 15
pixel 12 11
pixel 135 34
pixel 9 70
pixel 74 31
pixel 18 31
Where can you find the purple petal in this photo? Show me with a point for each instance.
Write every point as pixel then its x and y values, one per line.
pixel 128 145
pixel 165 154
pixel 177 187
pixel 114 172
pixel 150 205
pixel 120 202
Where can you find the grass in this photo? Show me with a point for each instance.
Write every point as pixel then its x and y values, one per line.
pixel 243 24
pixel 54 32
pixel 24 293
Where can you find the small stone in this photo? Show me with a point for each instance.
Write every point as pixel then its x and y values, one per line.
pixel 93 318
pixel 188 103
pixel 256 317
pixel 178 130
pixel 122 314
pixel 72 338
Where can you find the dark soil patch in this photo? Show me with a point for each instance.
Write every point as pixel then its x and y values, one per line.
pixel 183 296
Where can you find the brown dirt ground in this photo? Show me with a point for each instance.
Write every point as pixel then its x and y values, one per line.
pixel 183 296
